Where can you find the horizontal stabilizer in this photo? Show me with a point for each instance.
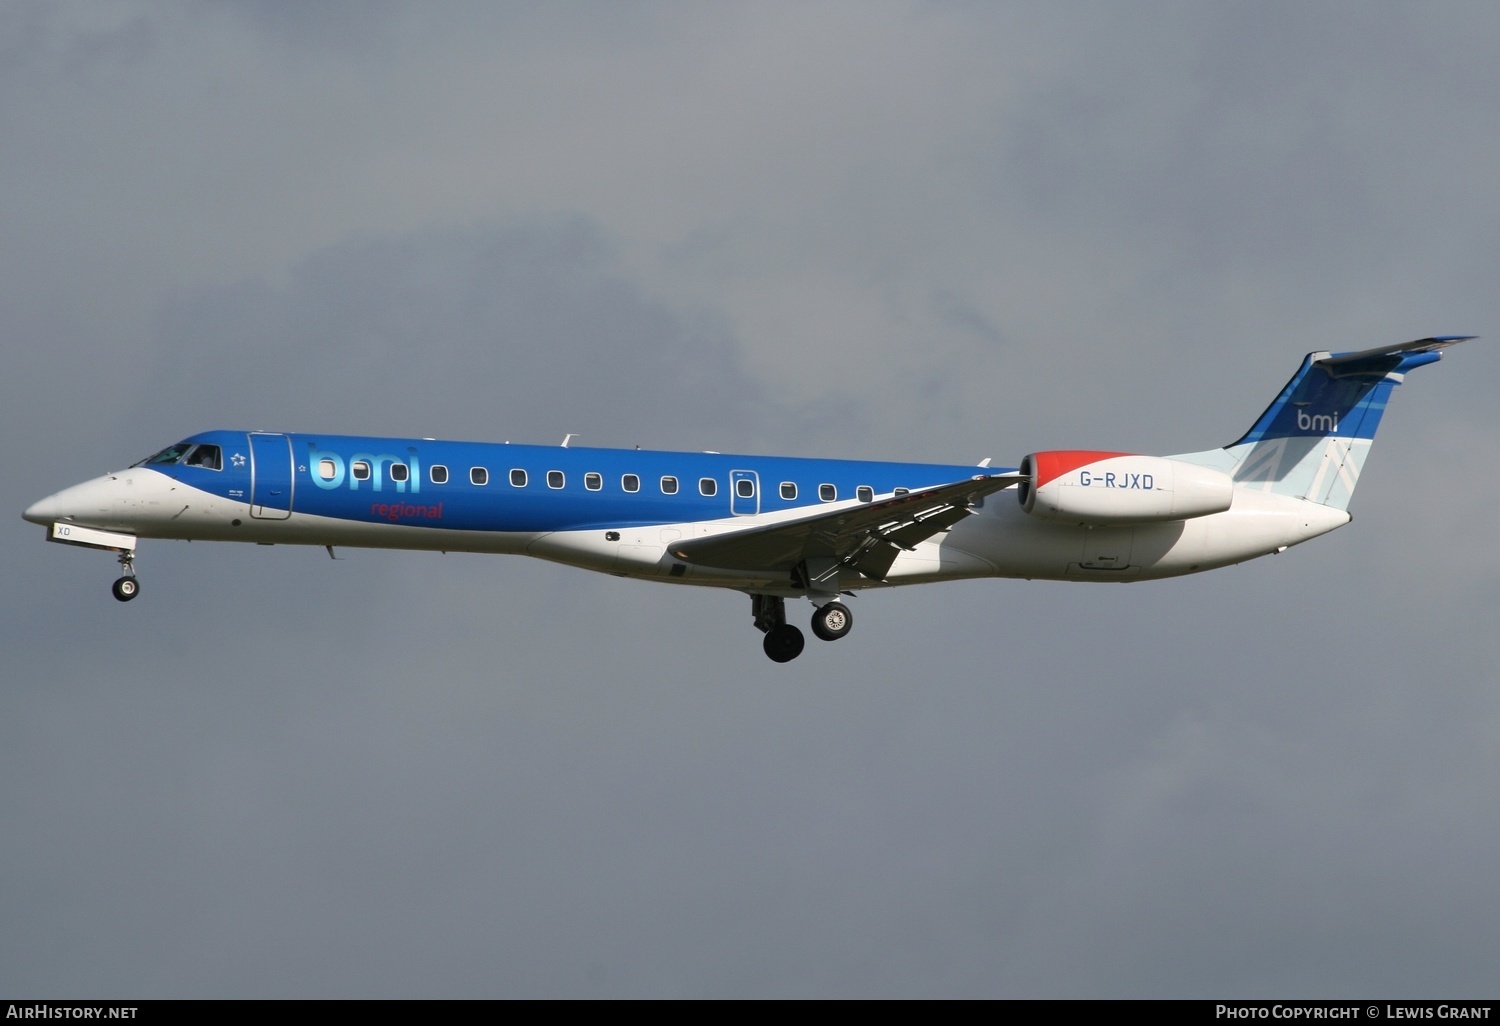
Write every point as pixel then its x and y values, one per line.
pixel 1384 356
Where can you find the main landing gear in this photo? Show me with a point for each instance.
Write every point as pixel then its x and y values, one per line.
pixel 832 621
pixel 127 587
pixel 783 642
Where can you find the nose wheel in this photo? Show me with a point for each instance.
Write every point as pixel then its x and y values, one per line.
pixel 127 587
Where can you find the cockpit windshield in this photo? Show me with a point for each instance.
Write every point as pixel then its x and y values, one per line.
pixel 171 454
pixel 186 454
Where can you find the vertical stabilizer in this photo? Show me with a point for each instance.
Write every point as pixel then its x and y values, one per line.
pixel 1312 441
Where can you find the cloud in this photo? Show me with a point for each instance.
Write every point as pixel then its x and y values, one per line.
pixel 522 332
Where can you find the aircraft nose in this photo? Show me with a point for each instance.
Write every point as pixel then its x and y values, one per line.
pixel 93 501
pixel 44 512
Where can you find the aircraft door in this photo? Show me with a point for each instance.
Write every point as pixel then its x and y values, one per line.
pixel 270 477
pixel 744 493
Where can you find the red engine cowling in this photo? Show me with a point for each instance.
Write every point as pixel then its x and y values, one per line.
pixel 1084 487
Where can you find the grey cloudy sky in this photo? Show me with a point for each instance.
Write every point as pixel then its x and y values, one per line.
pixel 916 231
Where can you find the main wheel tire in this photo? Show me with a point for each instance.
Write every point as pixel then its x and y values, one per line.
pixel 126 588
pixel 783 643
pixel 832 621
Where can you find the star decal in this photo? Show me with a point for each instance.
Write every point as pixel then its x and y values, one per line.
pixel 237 460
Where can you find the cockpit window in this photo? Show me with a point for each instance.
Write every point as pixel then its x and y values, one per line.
pixel 209 457
pixel 171 454
pixel 205 456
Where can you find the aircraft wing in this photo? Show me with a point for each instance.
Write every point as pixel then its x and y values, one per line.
pixel 867 537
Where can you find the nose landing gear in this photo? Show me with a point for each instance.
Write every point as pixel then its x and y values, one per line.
pixel 127 587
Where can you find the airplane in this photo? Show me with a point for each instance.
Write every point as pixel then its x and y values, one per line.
pixel 773 527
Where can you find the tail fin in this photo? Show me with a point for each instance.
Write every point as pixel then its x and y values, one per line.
pixel 1313 439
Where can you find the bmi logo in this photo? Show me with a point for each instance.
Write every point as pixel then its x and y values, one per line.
pixel 1328 423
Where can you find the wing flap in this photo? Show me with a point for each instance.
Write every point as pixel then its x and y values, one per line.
pixel 910 535
pixel 867 536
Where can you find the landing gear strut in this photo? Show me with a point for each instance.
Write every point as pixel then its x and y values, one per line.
pixel 783 641
pixel 127 587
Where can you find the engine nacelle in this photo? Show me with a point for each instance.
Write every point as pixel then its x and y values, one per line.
pixel 1084 487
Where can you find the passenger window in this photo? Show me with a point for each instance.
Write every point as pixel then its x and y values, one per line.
pixel 669 486
pixel 864 493
pixel 745 487
pixel 400 471
pixel 555 479
pixel 788 490
pixel 827 492
pixel 902 491
pixel 327 470
pixel 518 478
pixel 438 474
pixel 593 482
pixel 708 486
pixel 360 470
pixel 479 476
pixel 630 483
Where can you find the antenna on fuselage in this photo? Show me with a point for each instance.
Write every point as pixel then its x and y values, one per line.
pixel 568 438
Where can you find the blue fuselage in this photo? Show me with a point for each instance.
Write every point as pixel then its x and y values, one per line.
pixel 476 486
